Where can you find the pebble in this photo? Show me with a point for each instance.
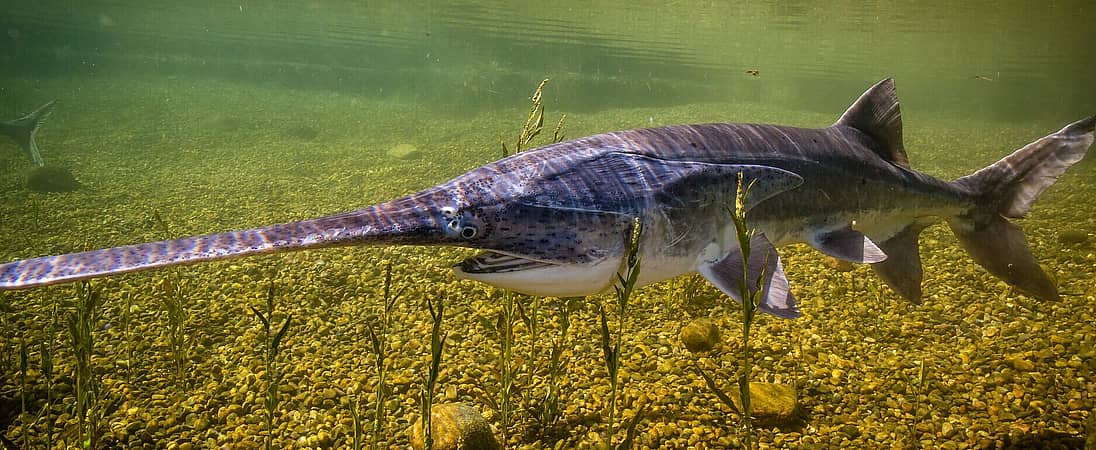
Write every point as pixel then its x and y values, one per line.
pixel 1021 364
pixel 947 430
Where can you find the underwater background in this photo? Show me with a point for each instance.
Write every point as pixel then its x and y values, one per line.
pixel 184 118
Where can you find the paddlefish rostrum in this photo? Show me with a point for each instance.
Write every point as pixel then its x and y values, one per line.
pixel 556 220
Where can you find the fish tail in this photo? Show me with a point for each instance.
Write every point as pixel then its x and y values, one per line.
pixel 1006 190
pixel 22 130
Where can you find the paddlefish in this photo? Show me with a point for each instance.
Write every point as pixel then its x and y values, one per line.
pixel 23 129
pixel 557 220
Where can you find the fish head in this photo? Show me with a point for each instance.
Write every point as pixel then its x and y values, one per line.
pixel 464 225
pixel 445 215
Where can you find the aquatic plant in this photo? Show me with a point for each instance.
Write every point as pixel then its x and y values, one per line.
pixel 874 289
pixel 918 385
pixel 23 388
pixel 687 289
pixel 551 410
pixel 5 340
pixel 359 430
pixel 506 340
pixel 378 337
pixel 534 124
pixel 161 223
pixel 46 352
pixel 36 211
pixel 437 344
pixel 270 346
pixel 751 295
pixel 82 321
pixel 23 375
pixel 173 294
pixel 611 342
pixel 530 317
pixel 503 328
pixel 712 386
pixel 127 334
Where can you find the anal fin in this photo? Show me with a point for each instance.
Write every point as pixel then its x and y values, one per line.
pixel 776 295
pixel 902 268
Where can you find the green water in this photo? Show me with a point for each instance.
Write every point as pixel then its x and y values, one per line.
pixel 220 116
pixel 484 54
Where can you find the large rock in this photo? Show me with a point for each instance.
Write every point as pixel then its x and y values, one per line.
pixel 771 405
pixel 456 426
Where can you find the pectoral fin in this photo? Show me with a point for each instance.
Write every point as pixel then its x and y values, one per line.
pixel 726 273
pixel 847 244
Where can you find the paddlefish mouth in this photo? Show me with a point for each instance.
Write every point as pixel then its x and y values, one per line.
pixel 494 262
pixel 537 277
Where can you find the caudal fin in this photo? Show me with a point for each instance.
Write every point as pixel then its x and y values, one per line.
pixel 1006 190
pixel 22 130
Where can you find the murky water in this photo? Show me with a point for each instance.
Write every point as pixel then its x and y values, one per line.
pixel 182 118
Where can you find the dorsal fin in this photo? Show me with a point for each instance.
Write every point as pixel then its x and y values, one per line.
pixel 876 114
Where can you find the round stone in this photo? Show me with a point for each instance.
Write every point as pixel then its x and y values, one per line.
pixel 455 426
pixel 700 335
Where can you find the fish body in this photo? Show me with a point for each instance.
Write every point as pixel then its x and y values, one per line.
pixel 555 220
pixel 23 129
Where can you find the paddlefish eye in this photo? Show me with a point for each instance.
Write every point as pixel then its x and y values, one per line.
pixel 462 225
pixel 466 230
pixel 469 232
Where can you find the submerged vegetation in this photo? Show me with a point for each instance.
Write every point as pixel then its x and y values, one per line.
pixel 172 292
pixel 47 349
pixel 534 124
pixel 92 402
pixel 379 328
pixel 751 295
pixel 611 342
pixel 437 345
pixel 270 345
